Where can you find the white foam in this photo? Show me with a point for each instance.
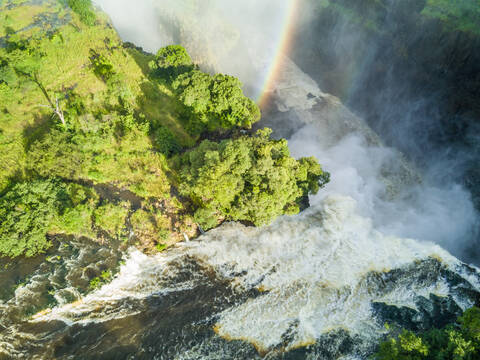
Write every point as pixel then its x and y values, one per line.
pixel 312 266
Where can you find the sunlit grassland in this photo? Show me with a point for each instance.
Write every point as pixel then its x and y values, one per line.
pixel 34 144
pixel 19 18
pixel 66 65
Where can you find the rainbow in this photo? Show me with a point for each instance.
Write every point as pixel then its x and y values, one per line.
pixel 283 46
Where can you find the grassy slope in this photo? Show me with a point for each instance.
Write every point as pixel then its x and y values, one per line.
pixel 130 163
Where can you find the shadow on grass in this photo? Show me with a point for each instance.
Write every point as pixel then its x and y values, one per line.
pixel 41 126
pixel 167 115
pixel 158 103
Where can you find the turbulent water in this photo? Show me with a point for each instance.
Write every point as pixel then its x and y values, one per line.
pixel 319 285
pixel 324 273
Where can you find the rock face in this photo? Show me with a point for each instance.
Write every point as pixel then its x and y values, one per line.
pixel 295 100
pixel 430 310
pixel 296 94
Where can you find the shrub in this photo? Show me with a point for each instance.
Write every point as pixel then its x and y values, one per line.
pixel 252 178
pixel 171 61
pixel 74 106
pixel 84 10
pixel 111 218
pixel 97 282
pixel 57 154
pixel 160 247
pixel 215 101
pixel 143 222
pixel 102 67
pixel 7 74
pixel 27 211
pixel 165 141
pixel 77 220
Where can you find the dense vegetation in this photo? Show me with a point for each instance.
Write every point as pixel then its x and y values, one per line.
pixel 460 341
pixel 26 214
pixel 251 178
pixel 74 106
pixel 94 133
pixel 171 61
pixel 455 15
pixel 84 10
pixel 215 101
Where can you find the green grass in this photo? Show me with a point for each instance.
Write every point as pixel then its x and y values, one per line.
pixel 66 64
pixel 20 17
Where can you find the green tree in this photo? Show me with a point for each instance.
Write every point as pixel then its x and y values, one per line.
pixel 84 9
pixel 252 178
pixel 165 141
pixel 7 74
pixel 470 324
pixel 459 341
pixel 171 61
pixel 27 211
pixel 77 219
pixel 25 59
pixel 215 101
pixel 102 67
pixel 407 346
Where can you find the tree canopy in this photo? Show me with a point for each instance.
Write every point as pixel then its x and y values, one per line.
pixel 27 211
pixel 119 139
pixel 252 179
pixel 212 102
pixel 84 9
pixel 171 60
pixel 215 101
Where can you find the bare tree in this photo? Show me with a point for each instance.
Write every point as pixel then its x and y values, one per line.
pixel 57 110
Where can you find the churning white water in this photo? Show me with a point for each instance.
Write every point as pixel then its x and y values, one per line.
pixel 316 272
pixel 312 269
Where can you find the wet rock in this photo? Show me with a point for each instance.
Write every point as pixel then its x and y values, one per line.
pixel 434 311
